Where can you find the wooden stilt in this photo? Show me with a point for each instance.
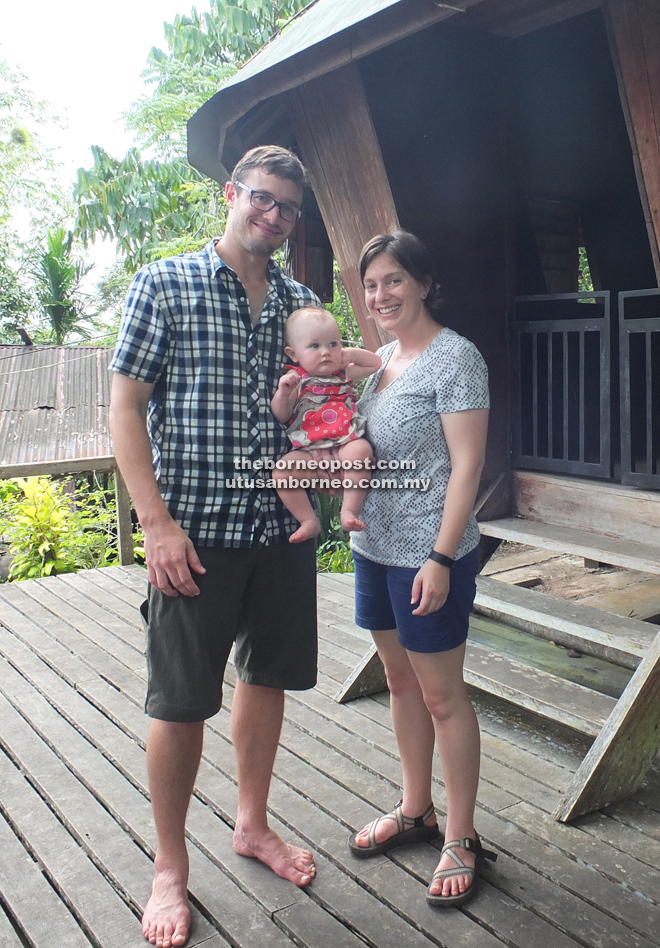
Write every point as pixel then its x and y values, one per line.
pixel 342 154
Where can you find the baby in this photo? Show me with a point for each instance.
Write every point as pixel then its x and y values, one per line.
pixel 317 401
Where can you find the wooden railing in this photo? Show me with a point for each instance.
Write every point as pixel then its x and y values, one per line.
pixel 561 366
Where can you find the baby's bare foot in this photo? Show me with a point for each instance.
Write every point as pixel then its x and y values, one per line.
pixel 351 521
pixel 306 530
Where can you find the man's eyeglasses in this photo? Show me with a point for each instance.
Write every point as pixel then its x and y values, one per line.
pixel 264 202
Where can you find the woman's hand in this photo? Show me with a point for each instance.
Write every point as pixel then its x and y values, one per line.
pixel 430 588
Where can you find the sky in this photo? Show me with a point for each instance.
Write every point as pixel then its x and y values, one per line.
pixel 86 59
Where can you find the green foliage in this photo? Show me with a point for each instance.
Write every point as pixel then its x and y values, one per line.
pixel 16 301
pixel 152 208
pixel 334 552
pixel 231 31
pixel 585 281
pixel 28 179
pixel 161 206
pixel 342 310
pixel 50 531
pixel 58 273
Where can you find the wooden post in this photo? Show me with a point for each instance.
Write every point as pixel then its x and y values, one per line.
pixel 124 522
pixel 339 146
pixel 634 33
pixel 622 753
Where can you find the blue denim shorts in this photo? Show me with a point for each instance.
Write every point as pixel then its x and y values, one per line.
pixel 382 601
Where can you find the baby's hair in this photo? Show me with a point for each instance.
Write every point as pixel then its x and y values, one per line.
pixel 298 314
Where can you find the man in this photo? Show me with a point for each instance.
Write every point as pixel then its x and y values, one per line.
pixel 199 353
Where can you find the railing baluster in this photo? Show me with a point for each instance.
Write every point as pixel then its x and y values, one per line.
pixel 581 412
pixel 535 400
pixel 550 431
pixel 649 403
pixel 565 391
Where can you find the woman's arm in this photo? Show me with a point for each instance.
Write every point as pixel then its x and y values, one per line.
pixel 359 363
pixel 465 433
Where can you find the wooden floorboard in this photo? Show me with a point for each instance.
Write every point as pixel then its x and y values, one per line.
pixel 77 835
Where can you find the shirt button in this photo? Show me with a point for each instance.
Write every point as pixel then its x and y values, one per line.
pixel 242 299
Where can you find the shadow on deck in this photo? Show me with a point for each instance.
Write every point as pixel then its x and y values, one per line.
pixel 77 836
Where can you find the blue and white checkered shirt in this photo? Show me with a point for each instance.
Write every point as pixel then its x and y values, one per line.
pixel 187 328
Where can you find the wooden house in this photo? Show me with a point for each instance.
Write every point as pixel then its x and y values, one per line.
pixel 517 138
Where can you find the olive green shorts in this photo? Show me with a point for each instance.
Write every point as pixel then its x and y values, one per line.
pixel 263 599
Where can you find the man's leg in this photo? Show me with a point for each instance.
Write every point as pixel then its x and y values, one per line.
pixel 256 721
pixel 173 755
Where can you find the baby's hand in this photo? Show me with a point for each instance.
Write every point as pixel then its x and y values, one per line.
pixel 288 382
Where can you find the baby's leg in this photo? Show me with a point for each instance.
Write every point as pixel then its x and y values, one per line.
pixel 358 450
pixel 295 499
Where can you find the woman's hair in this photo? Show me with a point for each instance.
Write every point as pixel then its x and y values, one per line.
pixel 411 254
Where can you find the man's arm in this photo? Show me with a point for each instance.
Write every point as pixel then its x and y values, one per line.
pixel 359 363
pixel 170 552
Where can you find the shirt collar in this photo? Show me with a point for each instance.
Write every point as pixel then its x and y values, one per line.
pixel 215 262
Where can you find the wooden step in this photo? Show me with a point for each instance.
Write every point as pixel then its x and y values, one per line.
pixel 601 634
pixel 592 546
pixel 545 694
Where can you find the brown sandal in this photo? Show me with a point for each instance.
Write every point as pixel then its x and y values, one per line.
pixel 473 845
pixel 410 829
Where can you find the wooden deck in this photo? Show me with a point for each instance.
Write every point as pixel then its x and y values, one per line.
pixel 76 837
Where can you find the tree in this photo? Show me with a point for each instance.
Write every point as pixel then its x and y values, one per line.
pixel 58 274
pixel 27 167
pixel 159 206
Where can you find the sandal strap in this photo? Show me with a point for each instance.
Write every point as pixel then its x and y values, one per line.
pixel 402 822
pixel 472 845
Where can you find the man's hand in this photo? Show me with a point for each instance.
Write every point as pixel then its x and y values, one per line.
pixel 430 588
pixel 170 557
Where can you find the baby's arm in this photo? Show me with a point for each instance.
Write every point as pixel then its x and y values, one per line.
pixel 285 397
pixel 359 363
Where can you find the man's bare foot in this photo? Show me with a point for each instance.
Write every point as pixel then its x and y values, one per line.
pixel 166 919
pixel 453 885
pixel 306 530
pixel 288 862
pixel 387 828
pixel 350 521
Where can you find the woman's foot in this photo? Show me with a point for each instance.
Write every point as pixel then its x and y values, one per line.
pixel 455 880
pixel 454 884
pixel 394 829
pixel 307 529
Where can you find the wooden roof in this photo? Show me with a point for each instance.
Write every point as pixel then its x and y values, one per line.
pixel 54 407
pixel 332 33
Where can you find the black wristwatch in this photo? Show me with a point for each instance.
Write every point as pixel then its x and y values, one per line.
pixel 441 559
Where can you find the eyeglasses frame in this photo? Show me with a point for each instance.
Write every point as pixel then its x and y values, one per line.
pixel 278 204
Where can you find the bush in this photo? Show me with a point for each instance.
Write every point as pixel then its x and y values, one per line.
pixel 50 531
pixel 334 552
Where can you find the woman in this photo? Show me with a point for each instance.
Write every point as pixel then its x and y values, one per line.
pixel 416 562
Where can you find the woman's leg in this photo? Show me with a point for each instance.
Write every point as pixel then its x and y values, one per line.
pixel 413 728
pixel 440 677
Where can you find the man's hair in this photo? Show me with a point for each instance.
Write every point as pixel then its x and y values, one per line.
pixel 273 160
pixel 301 313
pixel 411 254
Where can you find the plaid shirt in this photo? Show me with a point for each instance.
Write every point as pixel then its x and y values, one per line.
pixel 187 328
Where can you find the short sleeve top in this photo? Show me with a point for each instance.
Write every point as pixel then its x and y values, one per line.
pixel 404 425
